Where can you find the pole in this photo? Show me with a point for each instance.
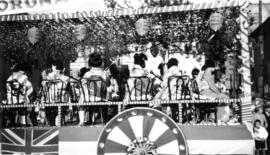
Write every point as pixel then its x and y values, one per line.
pixel 1 112
pixel 246 112
pixel 260 12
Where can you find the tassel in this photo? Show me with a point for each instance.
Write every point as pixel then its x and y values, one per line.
pixel 212 36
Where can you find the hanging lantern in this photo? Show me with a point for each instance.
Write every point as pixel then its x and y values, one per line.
pixel 216 21
pixel 80 32
pixel 34 35
pixel 142 26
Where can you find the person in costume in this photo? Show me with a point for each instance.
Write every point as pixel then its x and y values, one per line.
pixel 209 90
pixel 19 90
pixel 96 72
pixel 138 70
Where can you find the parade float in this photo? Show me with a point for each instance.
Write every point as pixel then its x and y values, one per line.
pixel 216 30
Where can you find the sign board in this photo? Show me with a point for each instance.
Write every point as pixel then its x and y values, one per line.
pixel 24 6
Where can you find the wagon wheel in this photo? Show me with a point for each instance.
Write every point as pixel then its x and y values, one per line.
pixel 141 131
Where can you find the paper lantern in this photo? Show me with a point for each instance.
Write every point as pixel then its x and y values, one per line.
pixel 215 21
pixel 34 35
pixel 80 32
pixel 142 26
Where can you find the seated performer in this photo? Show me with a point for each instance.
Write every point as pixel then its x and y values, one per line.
pixel 19 89
pixel 173 70
pixel 96 72
pixel 138 70
pixel 164 93
pixel 54 93
pixel 209 90
pixel 207 84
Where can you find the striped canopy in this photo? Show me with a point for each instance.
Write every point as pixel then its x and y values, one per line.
pixel 123 12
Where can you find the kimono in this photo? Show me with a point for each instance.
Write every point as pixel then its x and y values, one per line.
pixel 18 81
pixel 207 86
pixel 54 90
pixel 91 113
pixel 95 72
pixel 19 89
pixel 58 92
pixel 164 93
pixel 209 90
pixel 137 92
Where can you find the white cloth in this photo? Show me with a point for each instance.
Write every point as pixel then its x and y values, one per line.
pixel 260 134
pixel 152 63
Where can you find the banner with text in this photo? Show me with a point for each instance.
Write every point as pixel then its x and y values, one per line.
pixel 25 6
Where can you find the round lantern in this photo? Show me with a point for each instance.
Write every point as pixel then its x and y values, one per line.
pixel 142 26
pixel 34 35
pixel 80 32
pixel 216 21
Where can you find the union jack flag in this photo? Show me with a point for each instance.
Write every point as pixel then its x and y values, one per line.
pixel 30 141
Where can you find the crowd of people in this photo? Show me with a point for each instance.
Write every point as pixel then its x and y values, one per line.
pixel 113 82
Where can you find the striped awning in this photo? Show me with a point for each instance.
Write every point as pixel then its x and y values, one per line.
pixel 123 12
pixel 203 140
pixel 207 140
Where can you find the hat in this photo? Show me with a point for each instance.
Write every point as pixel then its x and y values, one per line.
pixel 258 103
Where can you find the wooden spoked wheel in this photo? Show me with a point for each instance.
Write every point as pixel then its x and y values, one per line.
pixel 141 131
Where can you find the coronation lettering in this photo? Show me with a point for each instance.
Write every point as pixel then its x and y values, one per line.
pixel 16 4
pixel 20 5
pixel 3 5
pixel 30 5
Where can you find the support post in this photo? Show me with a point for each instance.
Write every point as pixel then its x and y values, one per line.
pixel 180 112
pixel 246 113
pixel 119 107
pixel 58 124
pixel 1 112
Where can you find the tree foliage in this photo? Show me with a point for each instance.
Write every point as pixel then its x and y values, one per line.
pixel 178 32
